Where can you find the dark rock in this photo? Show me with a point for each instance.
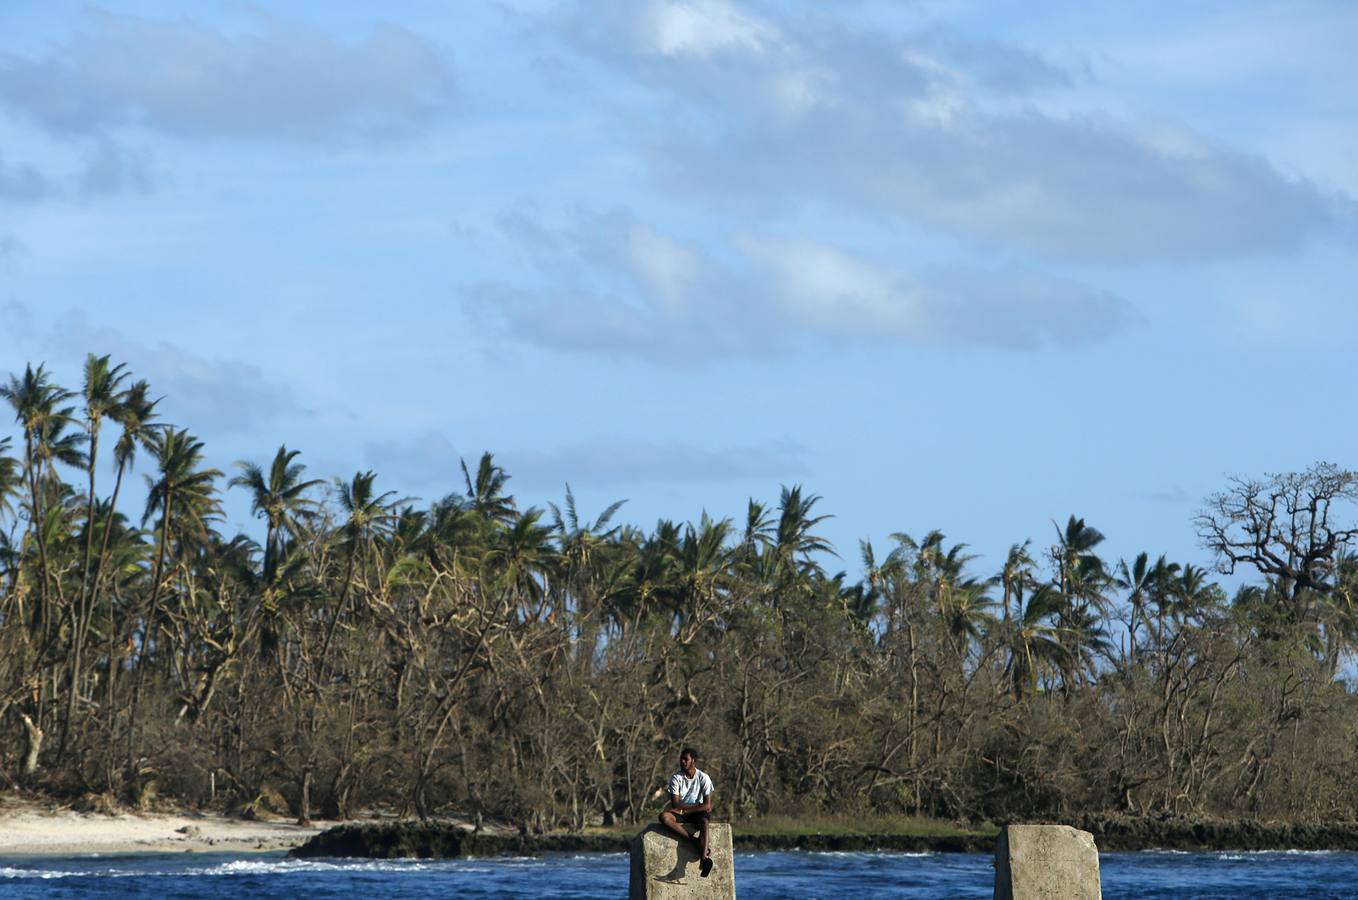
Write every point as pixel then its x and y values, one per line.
pixel 388 840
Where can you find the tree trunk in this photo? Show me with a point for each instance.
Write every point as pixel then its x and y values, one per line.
pixel 146 639
pixel 82 609
pixel 304 805
pixel 34 737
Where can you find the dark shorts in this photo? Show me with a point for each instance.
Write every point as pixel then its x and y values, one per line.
pixel 697 817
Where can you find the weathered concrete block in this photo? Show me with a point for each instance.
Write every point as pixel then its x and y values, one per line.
pixel 666 868
pixel 1046 862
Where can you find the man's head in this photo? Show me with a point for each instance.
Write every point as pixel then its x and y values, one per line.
pixel 688 760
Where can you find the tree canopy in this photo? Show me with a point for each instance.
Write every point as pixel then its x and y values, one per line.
pixel 540 666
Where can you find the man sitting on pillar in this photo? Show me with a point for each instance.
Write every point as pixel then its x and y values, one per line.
pixel 690 803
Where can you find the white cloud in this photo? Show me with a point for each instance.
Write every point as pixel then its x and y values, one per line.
pixel 939 132
pixel 832 291
pixel 186 79
pixel 666 268
pixel 703 27
pixel 770 295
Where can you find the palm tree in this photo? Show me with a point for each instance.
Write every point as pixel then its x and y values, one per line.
pixel 520 557
pixel 1035 643
pixel 1082 578
pixel 184 495
pixel 874 581
pixel 1338 610
pixel 486 493
pixel 279 498
pixel 135 413
pixel 452 527
pixel 1088 638
pixel 579 542
pixel 793 543
pixel 9 478
pixel 1078 567
pixel 367 515
pixel 1138 580
pixel 966 613
pixel 1017 572
pixel 1159 594
pixel 580 545
pixel 35 400
pixel 860 604
pixel 758 527
pixel 102 398
pixel 702 568
pixel 1192 594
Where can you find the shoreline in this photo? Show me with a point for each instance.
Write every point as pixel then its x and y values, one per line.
pixel 33 829
pixel 433 840
pixel 28 829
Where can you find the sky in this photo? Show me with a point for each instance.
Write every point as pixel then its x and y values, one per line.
pixel 973 266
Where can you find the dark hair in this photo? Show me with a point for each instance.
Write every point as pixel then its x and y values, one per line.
pixel 691 752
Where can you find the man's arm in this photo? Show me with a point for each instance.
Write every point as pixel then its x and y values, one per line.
pixel 680 807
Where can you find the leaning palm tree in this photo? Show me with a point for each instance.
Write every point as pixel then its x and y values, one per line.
pixel 184 495
pixel 279 498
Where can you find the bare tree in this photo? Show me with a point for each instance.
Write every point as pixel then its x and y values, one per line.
pixel 1284 525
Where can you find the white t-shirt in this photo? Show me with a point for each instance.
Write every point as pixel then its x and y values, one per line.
pixel 691 790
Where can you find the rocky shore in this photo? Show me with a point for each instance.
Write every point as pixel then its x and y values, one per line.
pixel 384 840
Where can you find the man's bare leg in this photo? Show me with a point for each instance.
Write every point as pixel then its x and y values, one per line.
pixel 705 864
pixel 671 821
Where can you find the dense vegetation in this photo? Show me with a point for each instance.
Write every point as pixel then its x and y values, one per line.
pixel 543 666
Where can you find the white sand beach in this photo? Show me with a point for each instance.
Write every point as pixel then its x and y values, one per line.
pixel 31 830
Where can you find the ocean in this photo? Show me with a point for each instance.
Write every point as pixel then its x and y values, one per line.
pixel 759 876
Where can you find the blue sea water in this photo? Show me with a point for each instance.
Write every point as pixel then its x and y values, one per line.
pixel 759 876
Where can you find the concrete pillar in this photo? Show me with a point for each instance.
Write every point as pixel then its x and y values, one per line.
pixel 664 867
pixel 1046 862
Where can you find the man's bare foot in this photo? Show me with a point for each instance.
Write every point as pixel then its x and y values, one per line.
pixel 705 867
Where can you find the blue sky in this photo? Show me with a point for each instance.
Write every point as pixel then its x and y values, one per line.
pixel 968 266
